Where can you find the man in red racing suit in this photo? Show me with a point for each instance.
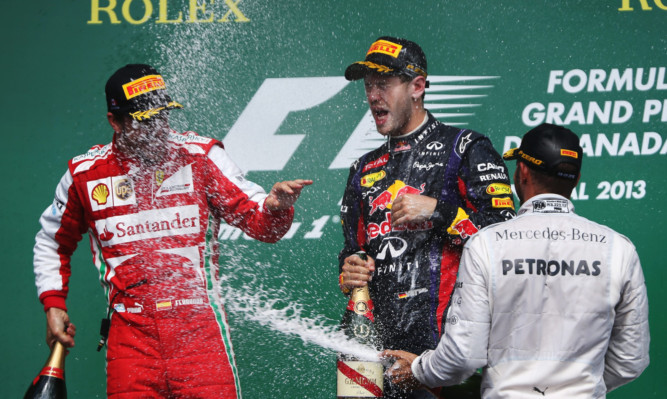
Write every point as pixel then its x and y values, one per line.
pixel 151 202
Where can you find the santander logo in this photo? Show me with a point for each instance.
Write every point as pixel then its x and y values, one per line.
pixel 106 235
pixel 157 223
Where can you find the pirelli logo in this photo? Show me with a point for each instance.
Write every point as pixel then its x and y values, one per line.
pixel 569 153
pixel 385 47
pixel 143 85
pixel 502 203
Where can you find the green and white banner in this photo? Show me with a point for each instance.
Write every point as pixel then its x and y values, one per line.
pixel 266 77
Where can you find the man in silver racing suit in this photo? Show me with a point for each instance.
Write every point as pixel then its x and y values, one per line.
pixel 550 303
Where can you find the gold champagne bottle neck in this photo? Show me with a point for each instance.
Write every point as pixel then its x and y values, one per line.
pixel 360 294
pixel 57 358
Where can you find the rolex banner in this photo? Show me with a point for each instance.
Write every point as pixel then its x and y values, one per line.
pixel 266 78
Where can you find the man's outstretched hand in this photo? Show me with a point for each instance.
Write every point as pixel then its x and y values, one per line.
pixel 284 194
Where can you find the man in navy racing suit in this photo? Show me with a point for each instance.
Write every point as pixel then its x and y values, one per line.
pixel 411 203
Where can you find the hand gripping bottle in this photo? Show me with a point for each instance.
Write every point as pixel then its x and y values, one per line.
pixel 50 383
pixel 359 378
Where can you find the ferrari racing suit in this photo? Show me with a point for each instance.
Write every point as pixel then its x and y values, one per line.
pixel 416 264
pixel 153 237
pixel 548 303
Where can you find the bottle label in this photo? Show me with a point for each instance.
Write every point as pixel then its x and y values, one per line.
pixel 53 372
pixel 362 307
pixel 360 379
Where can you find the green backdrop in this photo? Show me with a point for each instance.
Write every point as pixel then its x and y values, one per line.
pixel 266 77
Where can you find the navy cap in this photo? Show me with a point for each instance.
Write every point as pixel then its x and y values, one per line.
pixel 390 56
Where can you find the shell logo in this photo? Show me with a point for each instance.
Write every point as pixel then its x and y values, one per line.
pixel 100 194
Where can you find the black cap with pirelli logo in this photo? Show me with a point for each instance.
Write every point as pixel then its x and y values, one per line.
pixel 546 147
pixel 138 90
pixel 390 56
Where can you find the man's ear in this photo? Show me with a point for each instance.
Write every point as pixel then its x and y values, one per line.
pixel 419 86
pixel 115 122
pixel 523 173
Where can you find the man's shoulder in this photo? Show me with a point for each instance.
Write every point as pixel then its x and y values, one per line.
pixel 461 139
pixel 594 231
pixel 95 155
pixel 371 160
pixel 192 142
pixel 191 138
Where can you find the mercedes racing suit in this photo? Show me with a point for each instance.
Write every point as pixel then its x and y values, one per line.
pixel 153 237
pixel 548 303
pixel 416 264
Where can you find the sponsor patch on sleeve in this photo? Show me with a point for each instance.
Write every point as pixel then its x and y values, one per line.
pixel 462 225
pixel 505 202
pixel 498 189
pixel 370 179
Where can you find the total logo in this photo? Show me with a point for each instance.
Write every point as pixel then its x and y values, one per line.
pixel 255 143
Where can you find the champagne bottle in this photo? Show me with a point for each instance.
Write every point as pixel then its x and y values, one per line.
pixel 50 383
pixel 358 378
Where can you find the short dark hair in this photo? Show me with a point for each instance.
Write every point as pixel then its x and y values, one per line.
pixel 550 183
pixel 407 79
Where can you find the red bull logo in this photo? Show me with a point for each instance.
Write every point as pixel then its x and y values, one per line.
pixel 387 197
pixel 465 228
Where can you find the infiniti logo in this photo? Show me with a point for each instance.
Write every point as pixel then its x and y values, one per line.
pixel 395 245
pixel 434 145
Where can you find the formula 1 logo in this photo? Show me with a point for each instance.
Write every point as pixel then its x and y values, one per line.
pixel 255 145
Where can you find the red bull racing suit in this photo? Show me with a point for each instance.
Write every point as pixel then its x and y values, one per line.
pixel 416 264
pixel 153 237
